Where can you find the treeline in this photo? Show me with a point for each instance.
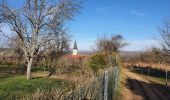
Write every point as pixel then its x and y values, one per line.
pixel 154 57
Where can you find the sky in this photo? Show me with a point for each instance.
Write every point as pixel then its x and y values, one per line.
pixel 136 20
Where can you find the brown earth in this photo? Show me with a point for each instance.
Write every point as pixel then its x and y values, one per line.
pixel 137 87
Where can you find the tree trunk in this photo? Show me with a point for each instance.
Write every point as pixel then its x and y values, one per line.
pixel 29 69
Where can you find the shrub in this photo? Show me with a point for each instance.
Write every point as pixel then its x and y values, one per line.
pixel 97 61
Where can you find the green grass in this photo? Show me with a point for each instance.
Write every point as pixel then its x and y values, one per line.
pixel 8 66
pixel 18 85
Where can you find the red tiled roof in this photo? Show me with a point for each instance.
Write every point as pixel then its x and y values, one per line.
pixel 70 56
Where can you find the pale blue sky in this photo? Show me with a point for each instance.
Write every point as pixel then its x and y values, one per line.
pixel 136 20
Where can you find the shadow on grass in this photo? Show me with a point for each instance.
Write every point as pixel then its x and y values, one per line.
pixel 37 77
pixel 150 71
pixel 149 91
pixel 5 76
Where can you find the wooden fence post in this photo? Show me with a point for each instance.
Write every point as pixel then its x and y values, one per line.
pixel 166 80
pixel 148 71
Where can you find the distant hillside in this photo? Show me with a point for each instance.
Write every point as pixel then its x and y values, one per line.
pixel 123 53
pixel 86 52
pixel 4 49
pixel 130 53
pixel 6 52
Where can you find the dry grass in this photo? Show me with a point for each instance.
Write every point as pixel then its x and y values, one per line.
pixel 88 88
pixel 79 79
pixel 153 65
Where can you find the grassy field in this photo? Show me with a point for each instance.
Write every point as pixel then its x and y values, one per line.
pixel 15 86
pixel 19 86
pixel 67 80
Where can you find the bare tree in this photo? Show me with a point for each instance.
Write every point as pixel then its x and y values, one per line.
pixel 165 35
pixel 57 49
pixel 110 44
pixel 37 24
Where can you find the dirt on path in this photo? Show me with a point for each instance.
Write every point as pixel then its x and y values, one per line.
pixel 137 87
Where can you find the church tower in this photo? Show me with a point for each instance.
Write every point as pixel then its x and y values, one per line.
pixel 75 49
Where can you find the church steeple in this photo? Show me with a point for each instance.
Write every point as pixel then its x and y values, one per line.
pixel 75 45
pixel 75 49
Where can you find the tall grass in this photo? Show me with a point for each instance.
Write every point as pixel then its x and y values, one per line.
pixel 94 90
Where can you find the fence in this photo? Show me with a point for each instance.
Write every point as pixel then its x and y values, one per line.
pixel 102 88
pixel 152 72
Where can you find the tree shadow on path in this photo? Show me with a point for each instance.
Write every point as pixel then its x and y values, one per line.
pixel 149 91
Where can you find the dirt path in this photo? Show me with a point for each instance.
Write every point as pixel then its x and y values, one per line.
pixel 139 88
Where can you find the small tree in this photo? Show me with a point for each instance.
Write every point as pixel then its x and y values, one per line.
pixel 165 35
pixel 37 24
pixel 110 44
pixel 57 49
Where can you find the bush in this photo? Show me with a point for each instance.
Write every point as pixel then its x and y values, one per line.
pixel 97 61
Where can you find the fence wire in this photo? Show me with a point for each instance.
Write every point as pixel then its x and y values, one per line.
pixel 102 88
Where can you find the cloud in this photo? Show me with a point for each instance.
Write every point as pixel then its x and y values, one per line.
pixel 137 13
pixel 141 45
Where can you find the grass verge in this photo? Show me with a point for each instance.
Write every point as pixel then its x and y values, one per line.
pixel 19 86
